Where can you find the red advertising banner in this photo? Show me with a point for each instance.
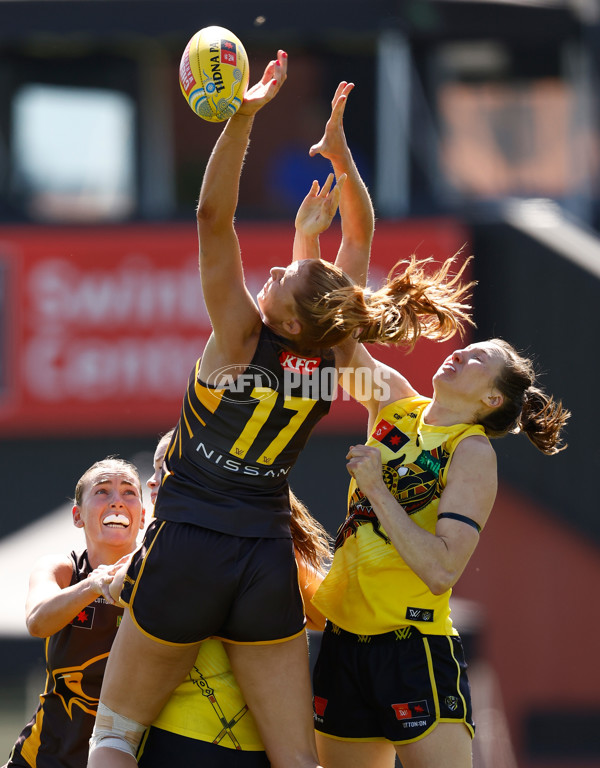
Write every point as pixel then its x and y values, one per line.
pixel 100 327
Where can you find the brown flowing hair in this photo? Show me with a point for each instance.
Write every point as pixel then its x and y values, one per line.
pixel 310 538
pixel 526 408
pixel 413 302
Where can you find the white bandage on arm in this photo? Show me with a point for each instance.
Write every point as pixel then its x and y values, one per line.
pixel 115 731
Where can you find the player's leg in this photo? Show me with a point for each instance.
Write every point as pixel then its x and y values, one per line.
pixel 336 753
pixel 275 681
pixel 444 690
pixel 140 675
pixel 449 745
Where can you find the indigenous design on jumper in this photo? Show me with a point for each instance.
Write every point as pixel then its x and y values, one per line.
pixel 370 589
pixel 414 484
pixel 200 681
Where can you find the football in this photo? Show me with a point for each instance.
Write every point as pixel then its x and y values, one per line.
pixel 213 73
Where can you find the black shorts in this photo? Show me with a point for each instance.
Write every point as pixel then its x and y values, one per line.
pixel 186 583
pixel 396 686
pixel 162 748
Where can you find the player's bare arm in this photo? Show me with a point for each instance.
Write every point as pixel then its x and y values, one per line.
pixel 234 316
pixel 437 558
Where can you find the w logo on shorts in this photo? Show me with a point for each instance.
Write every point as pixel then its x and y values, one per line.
pixel 411 710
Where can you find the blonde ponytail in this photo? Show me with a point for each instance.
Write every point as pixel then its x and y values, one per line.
pixel 412 303
pixel 415 303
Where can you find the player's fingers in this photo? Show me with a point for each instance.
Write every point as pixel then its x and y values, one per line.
pixel 105 586
pixel 338 111
pixel 327 186
pixel 314 189
pixel 338 91
pixel 347 91
pixel 268 73
pixel 282 58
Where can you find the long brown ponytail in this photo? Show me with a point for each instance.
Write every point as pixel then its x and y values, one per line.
pixel 526 408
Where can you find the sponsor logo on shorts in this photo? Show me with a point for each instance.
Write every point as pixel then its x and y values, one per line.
pixel 412 711
pixel 419 614
pixel 319 704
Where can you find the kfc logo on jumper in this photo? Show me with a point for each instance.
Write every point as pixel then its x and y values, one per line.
pixel 320 704
pixel 305 365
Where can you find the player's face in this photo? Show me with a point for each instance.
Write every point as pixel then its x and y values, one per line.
pixel 153 482
pixel 276 299
pixel 470 373
pixel 111 509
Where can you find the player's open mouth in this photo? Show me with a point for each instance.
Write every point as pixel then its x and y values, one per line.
pixel 116 521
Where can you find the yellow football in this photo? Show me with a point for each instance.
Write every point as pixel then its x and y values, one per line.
pixel 213 73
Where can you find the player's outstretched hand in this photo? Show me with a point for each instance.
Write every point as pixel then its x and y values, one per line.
pixel 333 143
pixel 268 86
pixel 318 208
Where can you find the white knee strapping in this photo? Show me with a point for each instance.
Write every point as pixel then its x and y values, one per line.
pixel 115 731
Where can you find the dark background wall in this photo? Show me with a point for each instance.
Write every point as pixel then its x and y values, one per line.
pixel 547 305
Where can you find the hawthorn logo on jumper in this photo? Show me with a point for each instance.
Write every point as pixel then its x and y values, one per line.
pixel 390 436
pixel 85 618
pixel 320 705
pixel 360 512
pixel 68 684
pixel 419 614
pixel 228 53
pixel 411 710
pixel 244 383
